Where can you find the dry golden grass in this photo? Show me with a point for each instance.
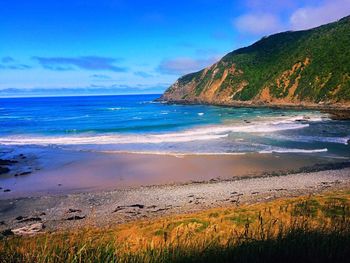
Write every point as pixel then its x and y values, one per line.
pixel 222 223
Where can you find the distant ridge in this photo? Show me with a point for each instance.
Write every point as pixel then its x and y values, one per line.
pixel 309 68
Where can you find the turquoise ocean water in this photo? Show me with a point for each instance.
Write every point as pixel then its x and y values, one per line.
pixel 135 123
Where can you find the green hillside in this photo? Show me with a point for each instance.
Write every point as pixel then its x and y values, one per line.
pixel 311 66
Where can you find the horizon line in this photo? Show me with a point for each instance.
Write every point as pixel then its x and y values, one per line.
pixel 80 95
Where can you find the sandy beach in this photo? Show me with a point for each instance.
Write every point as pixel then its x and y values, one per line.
pixel 39 171
pixel 156 186
pixel 52 188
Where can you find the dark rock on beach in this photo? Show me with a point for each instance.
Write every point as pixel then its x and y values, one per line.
pixel 72 210
pixel 25 173
pixel 7 162
pixel 138 206
pixel 31 219
pixel 4 170
pixel 76 217
pixel 118 209
pixel 3 165
pixel 7 232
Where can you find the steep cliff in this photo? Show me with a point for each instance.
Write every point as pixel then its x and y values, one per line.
pixel 310 67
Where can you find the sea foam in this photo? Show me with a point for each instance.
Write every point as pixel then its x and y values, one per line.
pixel 286 150
pixel 196 134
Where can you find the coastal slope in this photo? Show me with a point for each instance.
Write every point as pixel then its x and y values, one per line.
pixel 294 68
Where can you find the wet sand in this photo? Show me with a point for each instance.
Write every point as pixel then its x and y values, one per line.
pixel 57 171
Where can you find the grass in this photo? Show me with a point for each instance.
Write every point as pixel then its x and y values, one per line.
pixel 304 229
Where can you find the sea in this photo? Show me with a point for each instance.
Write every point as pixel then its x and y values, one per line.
pixel 139 124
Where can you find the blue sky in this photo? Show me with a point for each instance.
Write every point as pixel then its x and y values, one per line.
pixel 127 46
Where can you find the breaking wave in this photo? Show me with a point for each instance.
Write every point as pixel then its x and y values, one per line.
pixel 195 134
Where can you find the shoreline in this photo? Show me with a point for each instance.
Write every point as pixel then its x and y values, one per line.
pixel 47 171
pixel 339 112
pixel 107 208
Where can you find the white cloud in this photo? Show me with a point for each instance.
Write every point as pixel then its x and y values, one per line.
pixel 257 24
pixel 272 16
pixel 313 16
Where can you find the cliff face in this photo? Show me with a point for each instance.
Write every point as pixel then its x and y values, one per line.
pixel 310 67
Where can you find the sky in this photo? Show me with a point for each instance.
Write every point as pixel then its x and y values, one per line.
pixel 82 47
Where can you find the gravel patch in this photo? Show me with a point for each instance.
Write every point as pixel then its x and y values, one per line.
pixel 119 206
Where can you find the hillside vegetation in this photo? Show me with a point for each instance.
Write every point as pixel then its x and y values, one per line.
pixel 302 67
